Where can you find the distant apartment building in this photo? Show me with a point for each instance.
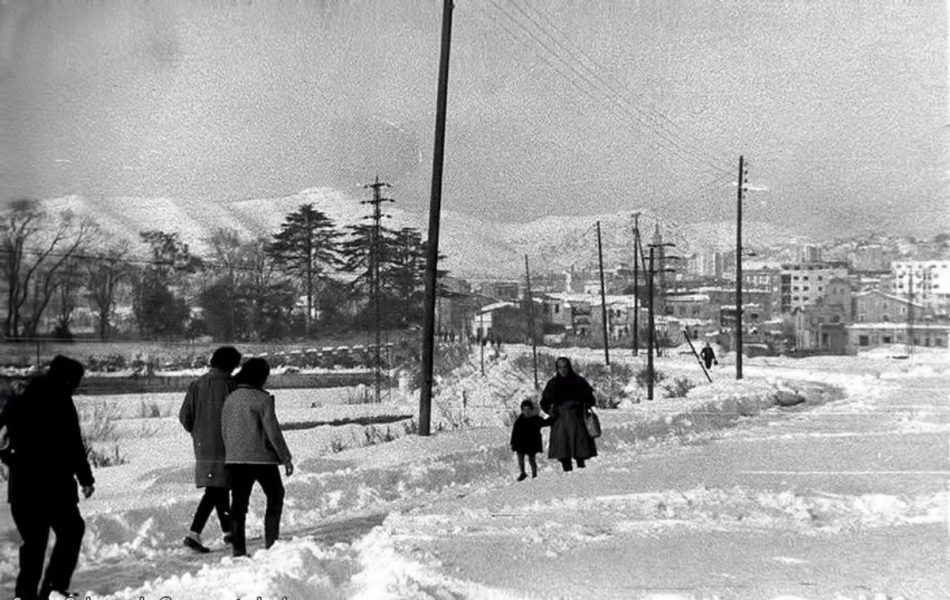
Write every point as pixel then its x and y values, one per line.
pixel 500 290
pixel 923 281
pixel 821 325
pixel 809 253
pixel 868 335
pixel 870 258
pixel 875 306
pixel 692 306
pixel 804 283
pixel 570 311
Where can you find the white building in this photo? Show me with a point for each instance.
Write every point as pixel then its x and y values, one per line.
pixel 925 281
pixel 802 284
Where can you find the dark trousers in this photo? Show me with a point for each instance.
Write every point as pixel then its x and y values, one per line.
pixel 34 520
pixel 567 466
pixel 243 477
pixel 531 460
pixel 215 498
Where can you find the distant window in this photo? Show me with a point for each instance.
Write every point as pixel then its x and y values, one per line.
pixel 886 339
pixel 938 343
pixel 819 278
pixel 885 318
pixel 863 340
pixel 557 308
pixel 860 318
pixel 903 310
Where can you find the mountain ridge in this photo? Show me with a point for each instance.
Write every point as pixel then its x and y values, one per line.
pixel 473 245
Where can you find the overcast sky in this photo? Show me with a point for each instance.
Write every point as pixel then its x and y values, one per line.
pixel 555 106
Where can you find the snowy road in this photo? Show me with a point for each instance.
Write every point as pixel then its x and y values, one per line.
pixel 698 497
pixel 848 498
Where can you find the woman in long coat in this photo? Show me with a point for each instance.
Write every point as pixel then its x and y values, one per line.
pixel 566 398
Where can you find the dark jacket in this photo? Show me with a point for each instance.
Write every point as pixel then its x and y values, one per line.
pixel 200 415
pixel 526 433
pixel 250 428
pixel 709 357
pixel 567 399
pixel 49 452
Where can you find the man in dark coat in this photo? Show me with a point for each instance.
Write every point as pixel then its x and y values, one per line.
pixel 48 456
pixel 567 397
pixel 526 437
pixel 200 415
pixel 708 356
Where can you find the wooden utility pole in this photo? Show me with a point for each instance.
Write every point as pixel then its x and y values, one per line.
pixel 650 374
pixel 435 208
pixel 375 287
pixel 603 298
pixel 740 185
pixel 534 345
pixel 481 337
pixel 636 284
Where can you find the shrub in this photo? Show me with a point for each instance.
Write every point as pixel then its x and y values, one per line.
pixel 643 376
pixel 149 410
pixel 97 421
pixel 678 388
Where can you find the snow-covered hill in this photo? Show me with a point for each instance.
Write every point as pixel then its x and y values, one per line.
pixel 473 244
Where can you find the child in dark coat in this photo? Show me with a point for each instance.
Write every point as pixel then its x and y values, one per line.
pixel 526 437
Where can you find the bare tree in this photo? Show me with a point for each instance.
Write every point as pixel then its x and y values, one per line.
pixel 103 275
pixel 35 248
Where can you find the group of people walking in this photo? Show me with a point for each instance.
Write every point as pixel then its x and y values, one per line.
pixel 567 399
pixel 237 442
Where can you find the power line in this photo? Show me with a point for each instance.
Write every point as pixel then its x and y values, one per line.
pixel 672 144
pixel 651 111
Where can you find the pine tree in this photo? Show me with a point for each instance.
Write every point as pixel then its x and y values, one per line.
pixel 306 248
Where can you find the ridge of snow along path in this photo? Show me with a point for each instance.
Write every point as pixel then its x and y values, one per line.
pixel 721 494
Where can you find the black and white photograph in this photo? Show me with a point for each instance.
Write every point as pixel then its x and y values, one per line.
pixel 475 299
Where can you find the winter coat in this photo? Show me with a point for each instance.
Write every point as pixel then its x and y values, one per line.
pixel 200 415
pixel 49 452
pixel 526 434
pixel 709 357
pixel 567 399
pixel 250 429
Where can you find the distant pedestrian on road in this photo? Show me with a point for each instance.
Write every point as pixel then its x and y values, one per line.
pixel 526 437
pixel 708 356
pixel 254 449
pixel 200 415
pixel 46 457
pixel 567 397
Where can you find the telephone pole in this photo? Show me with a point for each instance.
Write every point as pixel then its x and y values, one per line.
pixel 375 286
pixel 652 344
pixel 603 297
pixel 435 209
pixel 534 345
pixel 636 283
pixel 740 185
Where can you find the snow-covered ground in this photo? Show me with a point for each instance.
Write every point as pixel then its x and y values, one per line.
pixel 720 494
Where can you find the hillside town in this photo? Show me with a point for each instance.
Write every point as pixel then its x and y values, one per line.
pixel 833 298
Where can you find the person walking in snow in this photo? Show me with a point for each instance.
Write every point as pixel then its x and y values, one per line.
pixel 200 415
pixel 708 356
pixel 46 457
pixel 254 449
pixel 567 398
pixel 526 437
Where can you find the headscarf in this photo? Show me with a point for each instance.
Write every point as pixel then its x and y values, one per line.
pixel 568 387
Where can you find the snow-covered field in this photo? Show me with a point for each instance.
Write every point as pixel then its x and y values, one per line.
pixel 375 512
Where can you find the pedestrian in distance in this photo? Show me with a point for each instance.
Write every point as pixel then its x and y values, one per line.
pixel 526 437
pixel 708 356
pixel 200 415
pixel 46 456
pixel 254 449
pixel 566 398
